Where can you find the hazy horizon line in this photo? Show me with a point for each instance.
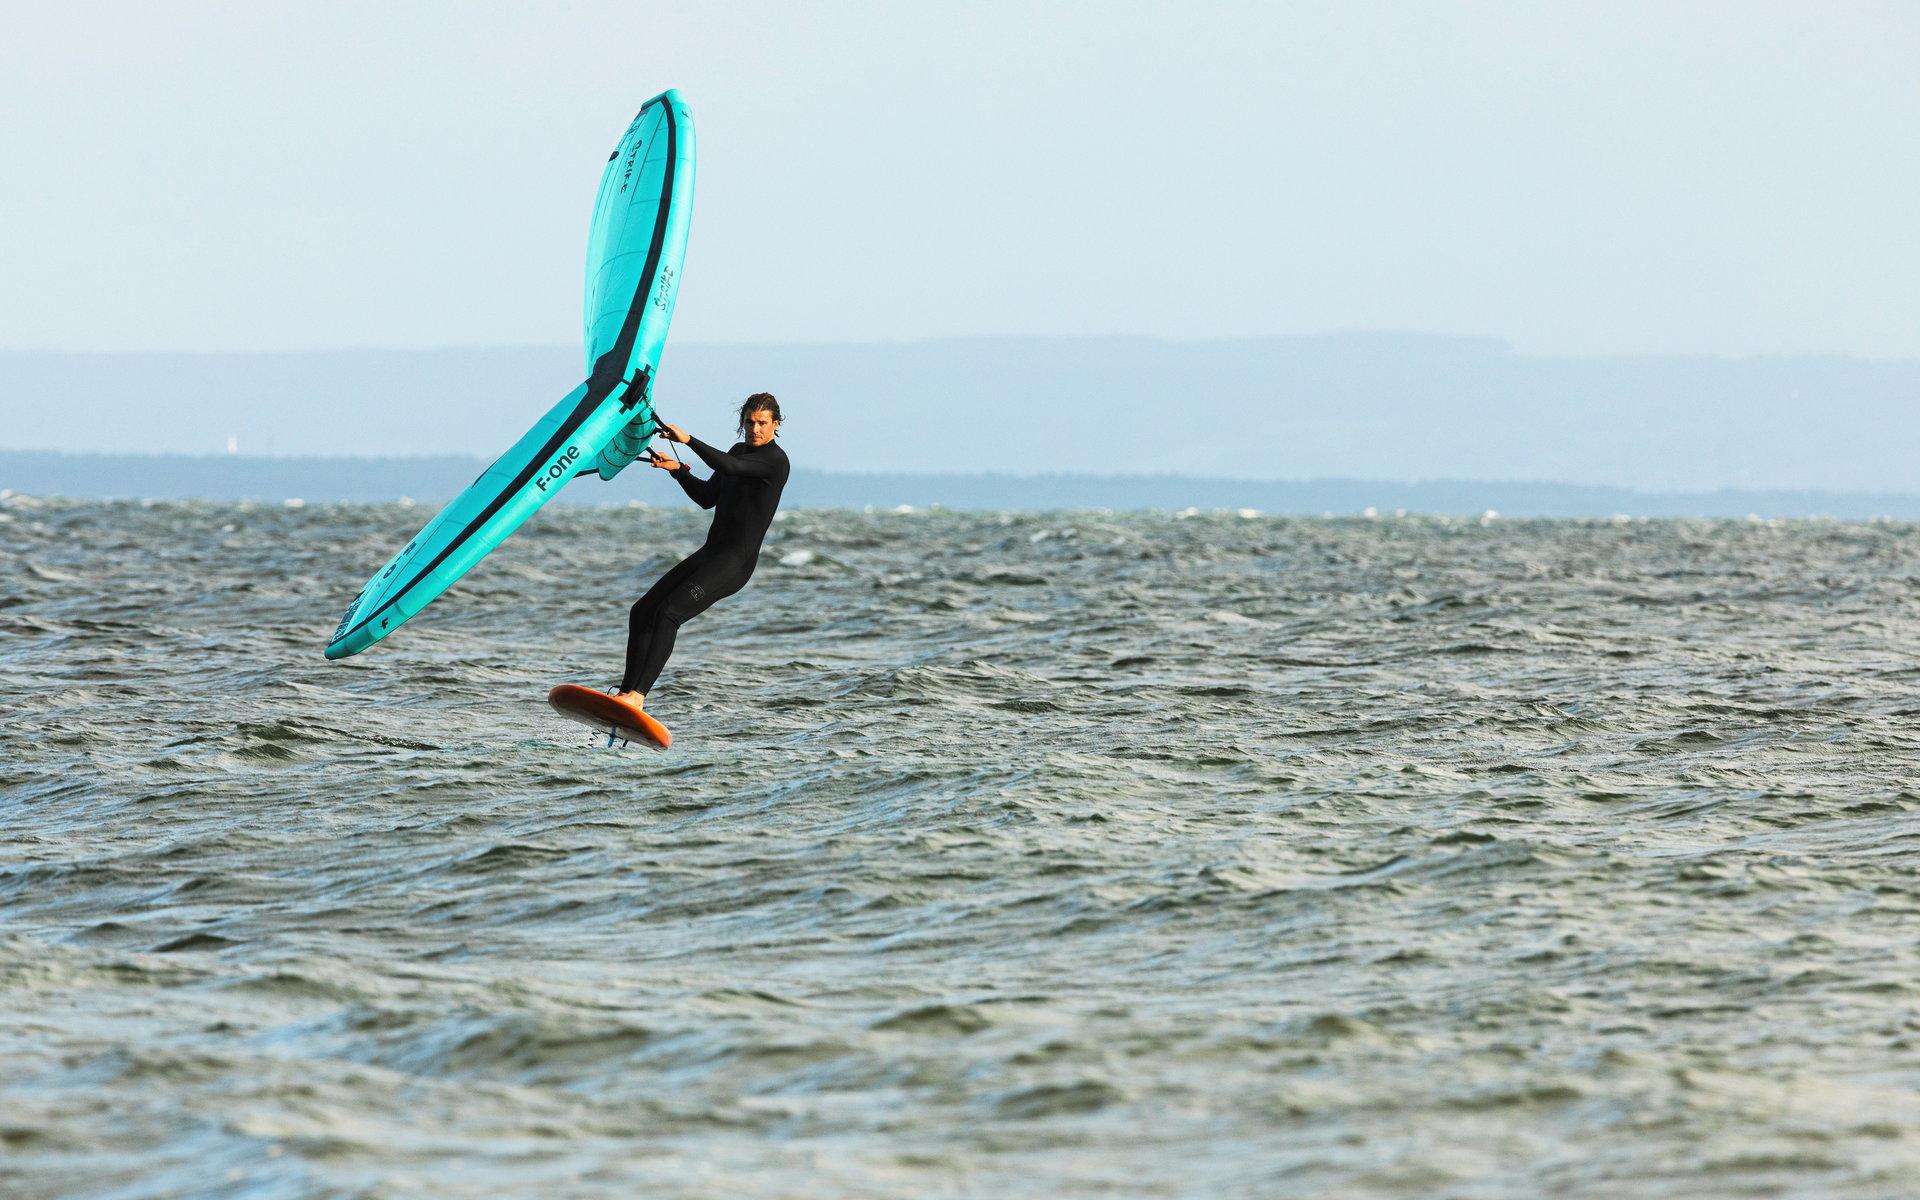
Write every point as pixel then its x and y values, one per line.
pixel 1493 341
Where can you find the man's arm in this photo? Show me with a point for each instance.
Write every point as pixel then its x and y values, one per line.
pixel 700 491
pixel 757 467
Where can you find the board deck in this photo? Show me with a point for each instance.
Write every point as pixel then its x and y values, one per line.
pixel 609 714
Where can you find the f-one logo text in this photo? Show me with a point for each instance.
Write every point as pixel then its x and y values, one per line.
pixel 560 468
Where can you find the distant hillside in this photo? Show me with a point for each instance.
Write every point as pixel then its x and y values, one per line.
pixel 1362 407
pixel 434 480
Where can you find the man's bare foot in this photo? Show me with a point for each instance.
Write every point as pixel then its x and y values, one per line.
pixel 639 699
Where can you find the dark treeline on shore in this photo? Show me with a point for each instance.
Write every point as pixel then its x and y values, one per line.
pixel 1355 407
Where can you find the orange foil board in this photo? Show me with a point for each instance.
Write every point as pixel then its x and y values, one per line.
pixel 608 714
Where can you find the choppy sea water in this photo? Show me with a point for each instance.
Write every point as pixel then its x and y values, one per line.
pixel 1049 855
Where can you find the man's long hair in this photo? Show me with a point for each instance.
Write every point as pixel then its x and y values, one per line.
pixel 758 402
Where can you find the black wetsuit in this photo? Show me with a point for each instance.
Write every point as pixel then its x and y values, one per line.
pixel 744 491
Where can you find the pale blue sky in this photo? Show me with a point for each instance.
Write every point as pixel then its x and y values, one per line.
pixel 1730 178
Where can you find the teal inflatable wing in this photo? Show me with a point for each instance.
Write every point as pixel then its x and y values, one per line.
pixel 631 283
pixel 635 249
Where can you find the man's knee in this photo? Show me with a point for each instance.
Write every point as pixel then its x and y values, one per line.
pixel 688 601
